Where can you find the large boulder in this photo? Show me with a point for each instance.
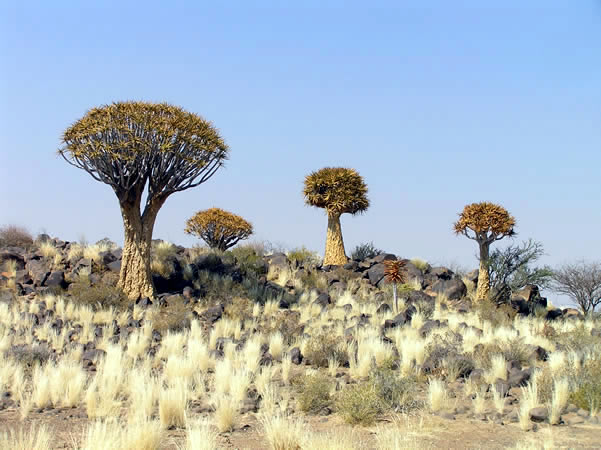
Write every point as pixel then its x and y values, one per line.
pixel 375 274
pixel 453 288
pixel 526 300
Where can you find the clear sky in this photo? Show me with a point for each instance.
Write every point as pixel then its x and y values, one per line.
pixel 436 103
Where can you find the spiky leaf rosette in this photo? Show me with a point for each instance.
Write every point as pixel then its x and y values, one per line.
pixel 336 189
pixel 486 222
pixel 218 228
pixel 127 144
pixel 393 272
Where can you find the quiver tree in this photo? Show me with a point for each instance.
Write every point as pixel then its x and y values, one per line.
pixel 338 191
pixel 218 228
pixel 484 223
pixel 137 148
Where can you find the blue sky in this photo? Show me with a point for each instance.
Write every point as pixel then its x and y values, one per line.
pixel 437 104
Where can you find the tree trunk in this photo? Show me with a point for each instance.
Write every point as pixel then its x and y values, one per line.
pixel 483 276
pixel 135 278
pixel 334 244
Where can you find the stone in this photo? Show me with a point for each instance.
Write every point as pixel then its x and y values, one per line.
pixel 12 255
pixel 352 266
pixel 213 314
pixel 428 326
pixel 383 257
pixel 442 273
pixel 296 356
pixel 398 321
pixel 571 313
pixel 375 274
pixel 114 266
pixel 453 289
pixel 93 355
pixel 278 259
pixel 519 378
pixel 144 302
pixel 383 308
pixel 323 300
pixel 502 387
pixel 56 279
pixel 539 414
pixel 554 314
pixel 188 292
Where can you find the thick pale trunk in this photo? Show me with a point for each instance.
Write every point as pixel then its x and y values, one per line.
pixel 135 278
pixel 483 276
pixel 334 254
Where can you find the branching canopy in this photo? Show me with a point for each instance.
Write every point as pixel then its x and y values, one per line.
pixel 485 222
pixel 581 281
pixel 218 228
pixel 336 189
pixel 129 145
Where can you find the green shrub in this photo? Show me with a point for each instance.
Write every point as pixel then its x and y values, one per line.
pixel 249 260
pixel 365 251
pixel 359 404
pixel 314 394
pixel 587 392
pixel 322 347
pixel 394 392
pixel 302 256
pixel 99 296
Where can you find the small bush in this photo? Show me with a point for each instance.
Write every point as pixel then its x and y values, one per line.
pixel 314 394
pixel 163 254
pixel 587 392
pixel 99 296
pixel 496 314
pixel 323 347
pixel 394 392
pixel 303 257
pixel 249 259
pixel 30 355
pixel 359 404
pixel 365 251
pixel 175 317
pixel 15 236
pixel 239 309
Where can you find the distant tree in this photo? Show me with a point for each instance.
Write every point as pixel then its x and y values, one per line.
pixel 338 190
pixel 485 223
pixel 511 269
pixel 136 147
pixel 15 236
pixel 581 281
pixel 218 228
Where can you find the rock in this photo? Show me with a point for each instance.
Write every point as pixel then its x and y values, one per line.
pixel 323 300
pixel 38 270
pixel 442 273
pixel 417 297
pixel 383 257
pixel 284 304
pixel 502 387
pixel 144 302
pixel 539 414
pixel 526 300
pixel 583 413
pixel 519 378
pixel 428 326
pixel 383 308
pixel 296 356
pixel 554 314
pixel 473 276
pixel 93 355
pixel 572 419
pixel 106 258
pixel 279 260
pixel 571 313
pixel 398 321
pixel 114 266
pixel 56 279
pixel 213 314
pixel 453 289
pixel 12 255
pixel 352 266
pixel 540 353
pixel 376 274
pixel 188 292
pixel 347 308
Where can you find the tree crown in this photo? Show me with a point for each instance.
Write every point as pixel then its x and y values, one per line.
pixel 336 189
pixel 127 144
pixel 487 221
pixel 218 228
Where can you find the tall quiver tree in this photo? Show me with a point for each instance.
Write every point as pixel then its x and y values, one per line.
pixel 484 223
pixel 136 147
pixel 338 190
